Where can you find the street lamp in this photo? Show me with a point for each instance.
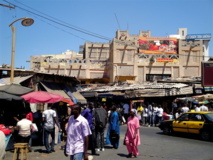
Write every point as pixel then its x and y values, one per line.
pixel 25 22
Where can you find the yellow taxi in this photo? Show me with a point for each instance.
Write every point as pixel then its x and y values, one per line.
pixel 191 122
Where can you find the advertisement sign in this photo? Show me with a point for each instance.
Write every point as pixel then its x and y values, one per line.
pixel 157 45
pixel 199 36
pixel 163 60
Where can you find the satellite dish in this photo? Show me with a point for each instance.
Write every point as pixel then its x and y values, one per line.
pixel 27 22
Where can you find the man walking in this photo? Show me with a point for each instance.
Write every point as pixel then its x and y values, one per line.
pixel 126 111
pixel 100 125
pixel 78 131
pixel 150 115
pixel 49 119
pixel 88 113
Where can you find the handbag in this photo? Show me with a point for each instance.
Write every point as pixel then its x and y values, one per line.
pixel 114 137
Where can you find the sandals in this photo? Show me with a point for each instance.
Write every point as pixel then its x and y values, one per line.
pixel 130 155
pixel 134 156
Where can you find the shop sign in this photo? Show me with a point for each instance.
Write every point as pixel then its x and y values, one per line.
pixel 162 60
pixel 199 36
pixel 198 91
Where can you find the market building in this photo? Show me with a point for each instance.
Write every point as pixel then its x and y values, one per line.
pixel 133 58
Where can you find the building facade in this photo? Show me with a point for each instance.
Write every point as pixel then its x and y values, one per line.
pixel 134 58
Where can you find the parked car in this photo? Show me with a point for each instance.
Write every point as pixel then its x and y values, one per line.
pixel 190 122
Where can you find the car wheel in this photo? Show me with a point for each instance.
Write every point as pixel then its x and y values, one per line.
pixel 205 135
pixel 166 130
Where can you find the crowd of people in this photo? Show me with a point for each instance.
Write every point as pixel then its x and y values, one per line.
pixel 148 115
pixel 87 125
pixel 177 110
pixel 83 127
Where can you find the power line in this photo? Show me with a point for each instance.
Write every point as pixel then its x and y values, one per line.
pixel 59 22
pixel 64 24
pixel 63 30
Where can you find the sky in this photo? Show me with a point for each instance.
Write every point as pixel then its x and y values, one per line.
pixel 61 25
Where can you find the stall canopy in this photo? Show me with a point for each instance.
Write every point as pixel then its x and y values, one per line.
pixel 110 94
pixel 79 97
pixel 89 94
pixel 54 88
pixel 15 89
pixel 204 97
pixel 42 97
pixel 75 94
pixel 9 97
pixel 17 79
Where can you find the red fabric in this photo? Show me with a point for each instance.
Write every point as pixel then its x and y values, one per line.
pixel 165 116
pixel 6 131
pixel 29 116
pixel 68 101
pixel 2 126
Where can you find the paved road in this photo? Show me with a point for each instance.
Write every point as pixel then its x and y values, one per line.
pixel 155 146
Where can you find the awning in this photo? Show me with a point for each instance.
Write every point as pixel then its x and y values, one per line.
pixel 190 99
pixel 79 97
pixel 108 94
pixel 145 93
pixel 161 92
pixel 17 80
pixel 204 97
pixel 89 94
pixel 76 95
pixel 54 88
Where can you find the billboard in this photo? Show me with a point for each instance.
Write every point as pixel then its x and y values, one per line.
pixel 158 45
pixel 207 71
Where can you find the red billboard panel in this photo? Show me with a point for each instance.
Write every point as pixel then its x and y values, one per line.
pixel 207 74
pixel 157 45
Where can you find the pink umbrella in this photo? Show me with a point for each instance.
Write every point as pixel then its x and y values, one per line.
pixel 42 97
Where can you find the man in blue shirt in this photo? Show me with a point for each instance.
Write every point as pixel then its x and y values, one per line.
pixel 88 113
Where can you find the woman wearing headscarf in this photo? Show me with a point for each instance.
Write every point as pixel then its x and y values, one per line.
pixel 132 138
pixel 113 132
